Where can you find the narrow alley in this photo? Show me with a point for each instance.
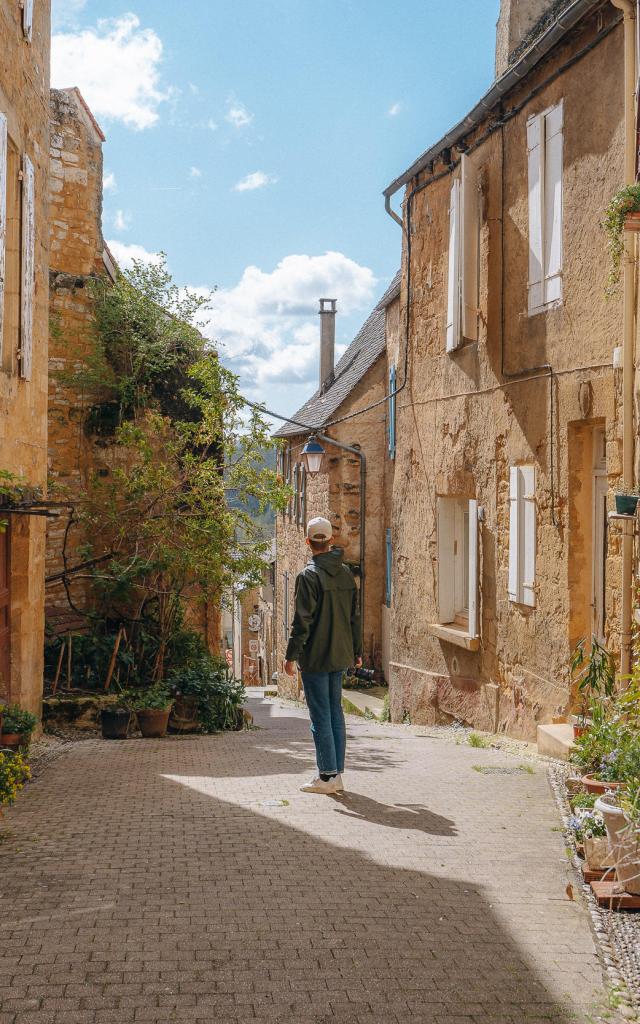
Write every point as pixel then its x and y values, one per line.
pixel 188 879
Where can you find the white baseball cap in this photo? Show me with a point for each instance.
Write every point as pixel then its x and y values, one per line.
pixel 319 529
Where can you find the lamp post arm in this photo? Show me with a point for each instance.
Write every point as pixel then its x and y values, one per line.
pixel 363 483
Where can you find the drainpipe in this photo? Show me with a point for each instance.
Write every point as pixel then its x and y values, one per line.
pixel 628 7
pixel 363 482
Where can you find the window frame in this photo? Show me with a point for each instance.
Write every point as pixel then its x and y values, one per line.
pixel 546 223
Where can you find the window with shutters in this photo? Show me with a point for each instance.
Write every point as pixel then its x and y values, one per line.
pixel 12 261
pixel 391 446
pixel 388 567
pixel 303 495
pixel 463 278
pixel 458 563
pixel 296 494
pixel 544 148
pixel 27 19
pixel 28 267
pixel 522 535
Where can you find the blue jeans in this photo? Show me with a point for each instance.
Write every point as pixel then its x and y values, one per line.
pixel 323 692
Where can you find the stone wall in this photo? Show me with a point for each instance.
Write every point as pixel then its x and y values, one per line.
pixel 24 99
pixel 335 493
pixel 462 422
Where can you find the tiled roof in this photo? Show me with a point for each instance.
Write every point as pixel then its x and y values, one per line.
pixel 366 347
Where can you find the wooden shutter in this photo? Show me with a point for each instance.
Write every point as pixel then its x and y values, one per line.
pixel 3 217
pixel 535 147
pixel 446 558
pixel 296 493
pixel 392 412
pixel 473 567
pixel 453 281
pixel 514 534
pixel 28 268
pixel 470 237
pixel 303 494
pixel 389 566
pixel 552 191
pixel 528 534
pixel 27 19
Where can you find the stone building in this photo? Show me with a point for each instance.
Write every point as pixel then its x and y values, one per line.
pixel 24 244
pixel 78 256
pixel 256 635
pixel 509 434
pixel 358 384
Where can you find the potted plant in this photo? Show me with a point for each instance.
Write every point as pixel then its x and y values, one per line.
pixel 17 727
pixel 621 214
pixel 594 672
pixel 626 502
pixel 621 813
pixel 115 719
pixel 218 697
pixel 153 707
pixel 590 830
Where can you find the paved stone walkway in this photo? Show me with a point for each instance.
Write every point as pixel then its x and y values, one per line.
pixel 188 879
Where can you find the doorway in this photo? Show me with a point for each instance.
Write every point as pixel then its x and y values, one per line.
pixel 600 489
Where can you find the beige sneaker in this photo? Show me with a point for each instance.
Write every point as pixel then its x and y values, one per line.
pixel 318 786
pixel 339 784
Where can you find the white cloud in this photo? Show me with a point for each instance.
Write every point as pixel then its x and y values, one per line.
pixel 116 67
pixel 394 110
pixel 109 183
pixel 238 115
pixel 195 172
pixel 253 181
pixel 124 255
pixel 121 221
pixel 65 12
pixel 267 324
pixel 193 89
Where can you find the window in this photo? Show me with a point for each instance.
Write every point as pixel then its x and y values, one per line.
pixel 27 19
pixel 285 605
pixel 392 413
pixel 389 568
pixel 3 213
pixel 544 145
pixel 458 563
pixel 303 495
pixel 464 244
pixel 522 535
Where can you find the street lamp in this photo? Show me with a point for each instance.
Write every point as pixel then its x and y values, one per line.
pixel 313 453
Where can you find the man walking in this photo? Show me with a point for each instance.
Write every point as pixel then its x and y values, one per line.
pixel 325 640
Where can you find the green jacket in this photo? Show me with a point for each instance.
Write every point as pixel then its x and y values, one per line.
pixel 325 635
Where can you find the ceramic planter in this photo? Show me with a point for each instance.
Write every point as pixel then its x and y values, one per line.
pixel 598 853
pixel 593 785
pixel 626 504
pixel 625 845
pixel 184 715
pixel 15 740
pixel 115 723
pixel 153 722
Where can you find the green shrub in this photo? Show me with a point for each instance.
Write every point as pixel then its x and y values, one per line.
pixel 16 719
pixel 155 698
pixel 219 696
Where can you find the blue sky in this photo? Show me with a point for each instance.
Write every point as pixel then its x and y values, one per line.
pixel 250 140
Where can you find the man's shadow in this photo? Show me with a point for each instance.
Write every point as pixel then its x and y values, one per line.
pixel 415 817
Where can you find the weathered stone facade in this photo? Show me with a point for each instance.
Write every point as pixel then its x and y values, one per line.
pixel 77 257
pixel 335 494
pixel 24 101
pixel 537 390
pixel 256 628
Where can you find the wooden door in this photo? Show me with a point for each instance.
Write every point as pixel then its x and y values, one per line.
pixel 5 623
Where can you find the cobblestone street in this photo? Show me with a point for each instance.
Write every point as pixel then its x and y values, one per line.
pixel 189 880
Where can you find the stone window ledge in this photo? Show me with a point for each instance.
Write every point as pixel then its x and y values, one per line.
pixel 454 635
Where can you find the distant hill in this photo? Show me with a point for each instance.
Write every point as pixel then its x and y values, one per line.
pixel 267 519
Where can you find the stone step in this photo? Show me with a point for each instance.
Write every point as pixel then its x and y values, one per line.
pixel 363 701
pixel 555 741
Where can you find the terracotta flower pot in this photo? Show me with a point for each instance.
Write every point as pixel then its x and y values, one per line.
pixel 14 740
pixel 184 715
pixel 632 221
pixel 579 730
pixel 593 785
pixel 115 723
pixel 598 853
pixel 153 722
pixel 625 845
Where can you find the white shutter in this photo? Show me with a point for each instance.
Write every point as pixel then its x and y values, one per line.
pixel 27 19
pixel 528 534
pixel 446 550
pixel 535 147
pixel 453 281
pixel 28 267
pixel 552 224
pixel 3 216
pixel 514 534
pixel 473 568
pixel 470 236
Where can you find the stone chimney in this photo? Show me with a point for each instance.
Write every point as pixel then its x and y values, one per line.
pixel 516 19
pixel 327 342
